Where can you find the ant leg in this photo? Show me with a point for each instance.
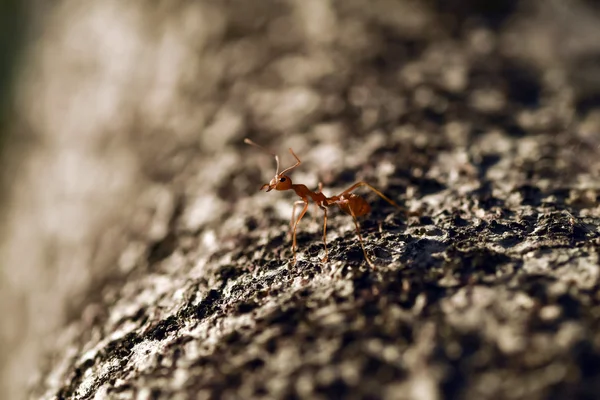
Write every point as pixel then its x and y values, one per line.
pixel 325 234
pixel 361 239
pixel 296 203
pixel 319 190
pixel 294 230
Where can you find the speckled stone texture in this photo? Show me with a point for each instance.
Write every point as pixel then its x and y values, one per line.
pixel 492 293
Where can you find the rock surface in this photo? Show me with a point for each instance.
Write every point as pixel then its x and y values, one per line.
pixel 491 293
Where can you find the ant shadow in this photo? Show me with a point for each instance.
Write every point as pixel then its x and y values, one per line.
pixel 387 243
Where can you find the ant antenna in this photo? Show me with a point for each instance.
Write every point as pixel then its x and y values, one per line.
pixel 251 143
pixel 293 166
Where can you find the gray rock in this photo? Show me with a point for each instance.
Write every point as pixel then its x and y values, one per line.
pixel 490 293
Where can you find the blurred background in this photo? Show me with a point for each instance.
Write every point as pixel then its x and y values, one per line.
pixel 106 108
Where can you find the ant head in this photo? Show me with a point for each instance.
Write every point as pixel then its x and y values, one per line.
pixel 280 182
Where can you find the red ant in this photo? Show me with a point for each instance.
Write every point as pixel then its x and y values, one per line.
pixel 350 203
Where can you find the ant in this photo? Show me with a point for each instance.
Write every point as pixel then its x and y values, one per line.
pixel 350 203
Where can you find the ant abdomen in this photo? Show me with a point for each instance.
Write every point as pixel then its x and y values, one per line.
pixel 357 204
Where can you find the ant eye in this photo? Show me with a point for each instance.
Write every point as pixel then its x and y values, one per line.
pixel 282 180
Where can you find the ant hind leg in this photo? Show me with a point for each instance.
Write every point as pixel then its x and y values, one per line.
pixel 325 234
pixel 319 190
pixel 362 244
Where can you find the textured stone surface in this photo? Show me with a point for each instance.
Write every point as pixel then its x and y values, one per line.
pixel 491 293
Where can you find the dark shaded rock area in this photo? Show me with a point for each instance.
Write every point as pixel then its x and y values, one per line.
pixel 491 293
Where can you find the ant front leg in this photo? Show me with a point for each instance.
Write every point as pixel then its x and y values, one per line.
pixel 293 220
pixel 295 226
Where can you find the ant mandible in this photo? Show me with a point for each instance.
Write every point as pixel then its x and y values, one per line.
pixel 350 203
